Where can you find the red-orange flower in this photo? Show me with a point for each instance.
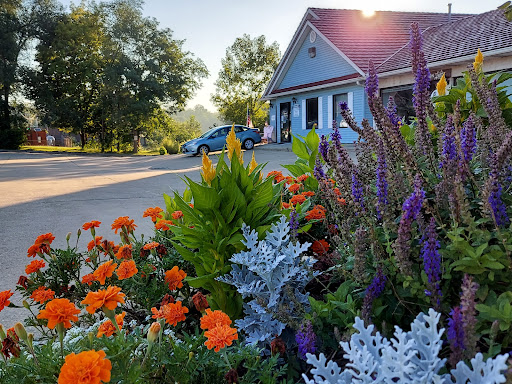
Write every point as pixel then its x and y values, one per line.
pixel 124 252
pixel 151 245
pixel 94 243
pixel 88 279
pixel 42 295
pixel 341 201
pixel 124 221
pixel 23 281
pixel 88 367
pixel 177 215
pixel 308 193
pixel 294 187
pixel 200 301
pixel 337 191
pixel 320 247
pixel 59 311
pixel 154 213
pixel 212 319
pixel 278 176
pixel 126 270
pixel 4 299
pixel 107 328
pixel 289 180
pixel 174 278
pixel 301 178
pixel 91 224
pixel 317 213
pixel 104 270
pixel 285 205
pixel 297 199
pixel 164 225
pixel 47 238
pixel 108 298
pixel 34 266
pixel 172 313
pixel 220 337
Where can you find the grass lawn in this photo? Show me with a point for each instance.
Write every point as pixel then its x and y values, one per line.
pixel 49 148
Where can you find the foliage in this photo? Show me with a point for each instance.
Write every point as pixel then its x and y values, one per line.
pixel 411 357
pixel 272 273
pixel 205 118
pixel 211 231
pixel 246 70
pixel 171 133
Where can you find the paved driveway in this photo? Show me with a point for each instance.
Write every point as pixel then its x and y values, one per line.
pixel 57 193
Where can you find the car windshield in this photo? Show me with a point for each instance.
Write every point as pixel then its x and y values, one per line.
pixel 208 133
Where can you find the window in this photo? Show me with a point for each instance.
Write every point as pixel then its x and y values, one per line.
pixel 238 129
pixel 311 112
pixel 336 113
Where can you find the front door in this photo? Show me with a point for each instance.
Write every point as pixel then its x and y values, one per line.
pixel 286 122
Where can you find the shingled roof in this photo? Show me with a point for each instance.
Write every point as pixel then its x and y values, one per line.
pixel 489 31
pixel 373 38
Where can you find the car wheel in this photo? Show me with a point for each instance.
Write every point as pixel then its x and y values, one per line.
pixel 249 144
pixel 203 149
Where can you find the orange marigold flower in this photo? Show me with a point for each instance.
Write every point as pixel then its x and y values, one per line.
pixel 212 319
pixel 286 205
pixel 151 245
pixel 88 279
pixel 88 367
pixel 34 266
pixel 126 270
pixel 153 332
pixel 289 180
pixel 200 301
pixel 177 215
pixel 34 250
pixel 319 207
pixel 4 299
pixel 42 295
pixel 298 199
pixel 301 178
pixel 164 225
pixel 124 252
pixel 294 188
pixel 320 247
pixel 108 298
pixel 124 221
pixel 59 311
pixel 104 270
pixel 308 193
pixel 91 224
pixel 94 243
pixel 337 191
pixel 108 329
pixel 220 337
pixel 191 205
pixel 315 214
pixel 154 213
pixel 341 201
pixel 172 313
pixel 47 238
pixel 174 278
pixel 278 176
pixel 332 181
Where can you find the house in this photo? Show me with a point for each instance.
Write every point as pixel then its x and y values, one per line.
pixel 327 61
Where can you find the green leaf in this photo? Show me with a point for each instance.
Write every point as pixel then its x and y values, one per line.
pixel 312 140
pixel 300 148
pixel 205 198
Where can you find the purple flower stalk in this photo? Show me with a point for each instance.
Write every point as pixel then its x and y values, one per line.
pixel 306 339
pixel 449 151
pixel 323 147
pixel 468 138
pixel 382 184
pixel 373 291
pixel 412 206
pixel 318 171
pixel 432 261
pixel 468 310
pixel 372 81
pixel 455 335
pixel 357 190
pixel 391 110
pixel 294 223
pixel 336 138
pixel 499 210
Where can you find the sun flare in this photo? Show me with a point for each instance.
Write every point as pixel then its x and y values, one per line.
pixel 368 12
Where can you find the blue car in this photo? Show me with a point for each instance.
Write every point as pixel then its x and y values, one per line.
pixel 215 139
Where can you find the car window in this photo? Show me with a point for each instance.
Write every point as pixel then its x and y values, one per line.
pixel 238 129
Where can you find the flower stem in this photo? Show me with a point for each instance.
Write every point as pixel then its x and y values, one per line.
pixel 226 358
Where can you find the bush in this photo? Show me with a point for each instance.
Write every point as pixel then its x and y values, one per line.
pixel 163 151
pixel 171 146
pixel 12 138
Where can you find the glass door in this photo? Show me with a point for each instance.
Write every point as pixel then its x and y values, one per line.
pixel 285 122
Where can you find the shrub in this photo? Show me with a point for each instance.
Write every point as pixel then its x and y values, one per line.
pixel 171 146
pixel 12 138
pixel 163 151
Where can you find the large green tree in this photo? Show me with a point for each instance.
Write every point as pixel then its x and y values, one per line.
pixel 246 70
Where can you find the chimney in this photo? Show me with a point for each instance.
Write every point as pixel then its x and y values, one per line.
pixel 449 12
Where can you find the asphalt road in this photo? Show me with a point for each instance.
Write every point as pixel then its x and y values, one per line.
pixel 42 192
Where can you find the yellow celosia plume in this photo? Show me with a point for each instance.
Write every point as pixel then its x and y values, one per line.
pixel 441 86
pixel 234 145
pixel 208 170
pixel 479 59
pixel 253 164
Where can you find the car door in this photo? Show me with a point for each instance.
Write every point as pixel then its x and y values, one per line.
pixel 239 132
pixel 218 139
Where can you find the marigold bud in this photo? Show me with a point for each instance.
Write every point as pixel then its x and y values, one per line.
pixel 20 331
pixel 2 333
pixel 30 340
pixel 153 332
pixel 200 301
pixel 68 236
pixel 26 304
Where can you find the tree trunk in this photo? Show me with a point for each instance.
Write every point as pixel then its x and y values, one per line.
pixel 136 141
pixel 82 138
pixel 6 118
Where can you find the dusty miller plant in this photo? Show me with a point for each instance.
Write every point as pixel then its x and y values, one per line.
pixel 411 357
pixel 274 274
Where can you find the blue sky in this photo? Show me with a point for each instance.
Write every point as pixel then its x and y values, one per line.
pixel 210 26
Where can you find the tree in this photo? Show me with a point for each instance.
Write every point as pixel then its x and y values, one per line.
pixel 205 118
pixel 246 70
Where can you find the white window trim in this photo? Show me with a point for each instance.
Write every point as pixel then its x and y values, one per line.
pixel 320 113
pixel 304 114
pixel 350 101
pixel 329 110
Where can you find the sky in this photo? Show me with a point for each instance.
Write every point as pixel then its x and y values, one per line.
pixel 210 26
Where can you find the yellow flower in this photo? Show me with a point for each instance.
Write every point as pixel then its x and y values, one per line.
pixel 253 164
pixel 441 86
pixel 479 59
pixel 433 128
pixel 208 170
pixel 234 145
